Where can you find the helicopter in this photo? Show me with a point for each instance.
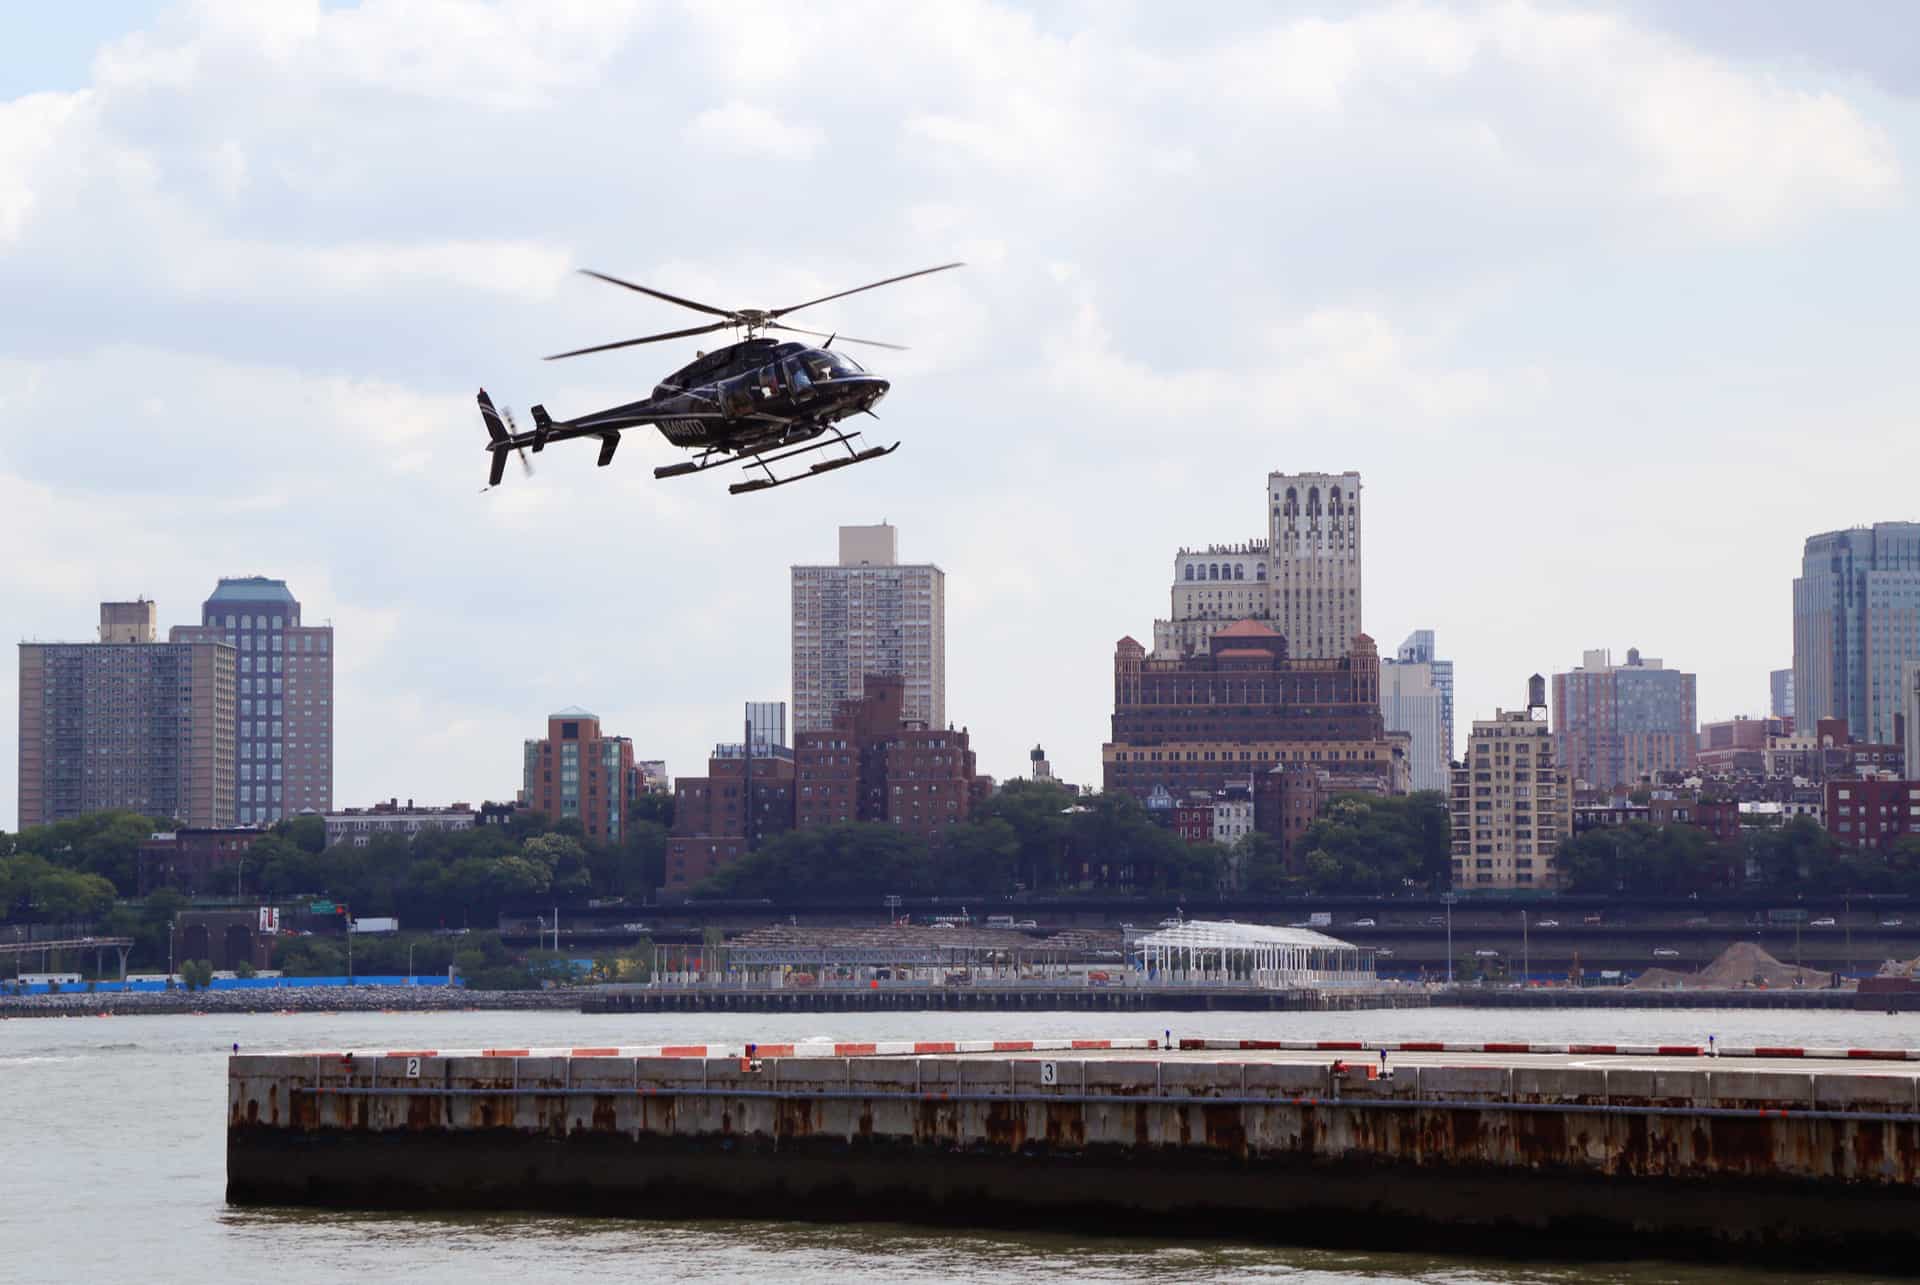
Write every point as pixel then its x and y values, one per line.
pixel 754 403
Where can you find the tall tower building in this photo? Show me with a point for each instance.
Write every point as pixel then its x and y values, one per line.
pixel 1511 803
pixel 1411 702
pixel 1314 583
pixel 127 723
pixel 868 615
pixel 1780 693
pixel 1302 580
pixel 1856 626
pixel 1616 724
pixel 1418 648
pixel 283 723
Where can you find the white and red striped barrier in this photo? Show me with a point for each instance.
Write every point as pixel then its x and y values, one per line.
pixel 807 1048
pixel 924 1048
pixel 1572 1050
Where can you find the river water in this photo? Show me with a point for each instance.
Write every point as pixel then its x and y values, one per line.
pixel 112 1157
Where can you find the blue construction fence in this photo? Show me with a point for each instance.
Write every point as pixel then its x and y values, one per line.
pixel 228 984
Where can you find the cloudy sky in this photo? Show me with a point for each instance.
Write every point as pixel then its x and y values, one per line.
pixel 1611 307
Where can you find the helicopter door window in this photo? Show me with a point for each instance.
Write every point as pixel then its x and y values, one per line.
pixel 798 379
pixel 736 396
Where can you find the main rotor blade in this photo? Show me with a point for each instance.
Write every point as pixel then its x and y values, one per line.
pixel 906 276
pixel 644 339
pixel 658 294
pixel 836 337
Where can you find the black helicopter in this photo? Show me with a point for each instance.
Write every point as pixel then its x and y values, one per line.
pixel 754 403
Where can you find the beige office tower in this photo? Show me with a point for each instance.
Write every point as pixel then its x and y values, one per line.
pixel 1302 580
pixel 129 622
pixel 1511 804
pixel 868 614
pixel 1314 544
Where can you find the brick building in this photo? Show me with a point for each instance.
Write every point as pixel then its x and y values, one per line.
pixel 1622 724
pixel 359 827
pixel 1245 706
pixel 1872 814
pixel 873 764
pixel 127 722
pixel 578 772
pixel 717 818
pixel 194 861
pixel 1287 798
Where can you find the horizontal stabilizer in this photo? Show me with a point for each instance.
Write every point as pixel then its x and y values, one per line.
pixel 542 425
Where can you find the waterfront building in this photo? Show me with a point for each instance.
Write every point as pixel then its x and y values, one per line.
pixel 283 716
pixel 578 772
pixel 868 614
pixel 1233 814
pixel 1856 627
pixel 1302 580
pixel 360 826
pixel 653 776
pixel 1511 803
pixel 134 724
pixel 1245 706
pixel 1621 724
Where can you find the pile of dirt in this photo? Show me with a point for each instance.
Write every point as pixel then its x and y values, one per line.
pixel 1741 966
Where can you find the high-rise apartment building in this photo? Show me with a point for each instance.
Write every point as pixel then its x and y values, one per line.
pixel 577 772
pixel 1410 702
pixel 1302 580
pixel 1512 803
pixel 868 615
pixel 1205 723
pixel 283 720
pixel 1856 626
pixel 127 723
pixel 1780 693
pixel 1616 724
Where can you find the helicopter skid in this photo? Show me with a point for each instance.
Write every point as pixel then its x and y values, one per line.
pixel 771 480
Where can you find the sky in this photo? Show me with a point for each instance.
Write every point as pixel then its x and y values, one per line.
pixel 1610 307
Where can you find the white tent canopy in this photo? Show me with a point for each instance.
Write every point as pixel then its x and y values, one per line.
pixel 1211 953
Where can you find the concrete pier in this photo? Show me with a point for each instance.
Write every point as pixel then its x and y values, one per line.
pixel 1611 1153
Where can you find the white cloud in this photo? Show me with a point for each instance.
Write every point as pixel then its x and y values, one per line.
pixel 255 269
pixel 742 128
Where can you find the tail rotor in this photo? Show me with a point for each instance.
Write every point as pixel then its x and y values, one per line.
pixel 502 435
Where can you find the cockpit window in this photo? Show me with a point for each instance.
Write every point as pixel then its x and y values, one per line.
pixel 826 364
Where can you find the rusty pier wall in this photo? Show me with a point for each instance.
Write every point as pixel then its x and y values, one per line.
pixel 1563 1160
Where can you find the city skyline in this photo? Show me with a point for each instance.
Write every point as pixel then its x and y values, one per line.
pixel 1091 393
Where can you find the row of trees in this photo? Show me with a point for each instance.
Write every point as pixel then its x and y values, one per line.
pixel 1677 860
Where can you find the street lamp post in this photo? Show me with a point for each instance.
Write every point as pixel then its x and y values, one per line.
pixel 238 870
pixel 1526 958
pixel 1447 901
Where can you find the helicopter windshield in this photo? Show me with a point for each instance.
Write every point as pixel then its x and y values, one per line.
pixel 826 364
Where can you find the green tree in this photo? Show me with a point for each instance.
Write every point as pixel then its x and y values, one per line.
pixel 1366 843
pixel 308 833
pixel 197 974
